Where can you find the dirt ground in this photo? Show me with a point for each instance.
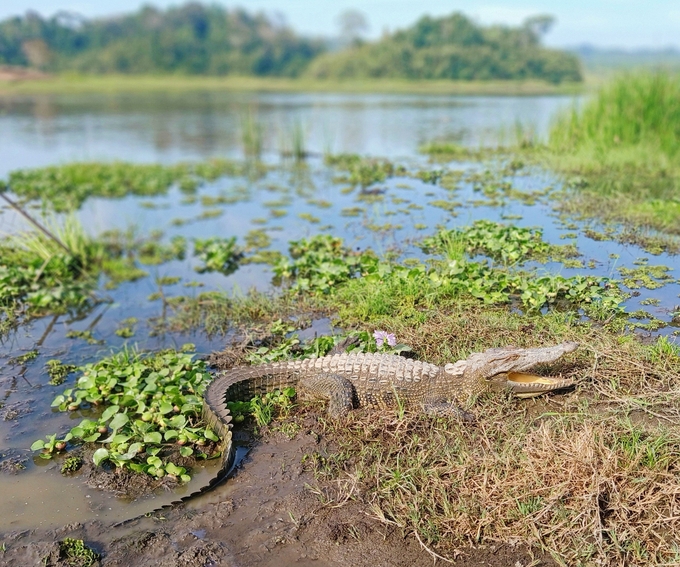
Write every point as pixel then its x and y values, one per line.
pixel 269 513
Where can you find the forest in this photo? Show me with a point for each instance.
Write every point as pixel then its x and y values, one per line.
pixel 197 39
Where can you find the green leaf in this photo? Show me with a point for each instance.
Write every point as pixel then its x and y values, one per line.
pixel 100 455
pixel 153 437
pixel 58 401
pixel 171 434
pixel 178 421
pixel 186 451
pixel 78 432
pixel 154 461
pixel 165 407
pixel 118 421
pixel 185 478
pixel 37 445
pixel 208 434
pixel 172 468
pixel 109 413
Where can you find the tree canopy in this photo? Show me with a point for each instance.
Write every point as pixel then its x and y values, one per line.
pixel 193 38
pixel 454 47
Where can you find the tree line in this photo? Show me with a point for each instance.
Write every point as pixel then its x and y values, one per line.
pixel 211 40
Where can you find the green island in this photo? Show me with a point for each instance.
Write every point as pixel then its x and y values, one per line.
pixel 460 249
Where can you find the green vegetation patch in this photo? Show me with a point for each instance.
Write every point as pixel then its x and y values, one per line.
pixel 74 553
pixel 362 171
pixel 218 254
pixel 319 263
pixel 58 371
pixel 66 187
pixel 38 276
pixel 149 412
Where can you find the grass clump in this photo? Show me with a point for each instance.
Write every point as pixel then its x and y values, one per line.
pixel 75 553
pixel 41 275
pixel 38 275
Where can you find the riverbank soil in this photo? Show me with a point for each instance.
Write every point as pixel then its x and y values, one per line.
pixel 270 513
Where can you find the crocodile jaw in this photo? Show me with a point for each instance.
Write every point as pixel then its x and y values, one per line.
pixel 524 385
pixel 507 366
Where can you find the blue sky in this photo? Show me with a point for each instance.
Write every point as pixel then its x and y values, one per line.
pixel 605 23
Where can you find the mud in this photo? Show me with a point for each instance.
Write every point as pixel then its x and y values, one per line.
pixel 268 514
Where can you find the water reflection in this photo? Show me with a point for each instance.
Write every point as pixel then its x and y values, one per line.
pixel 45 129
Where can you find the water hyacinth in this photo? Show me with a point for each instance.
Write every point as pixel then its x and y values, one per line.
pixel 382 337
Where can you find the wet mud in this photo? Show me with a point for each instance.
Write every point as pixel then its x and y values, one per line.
pixel 270 513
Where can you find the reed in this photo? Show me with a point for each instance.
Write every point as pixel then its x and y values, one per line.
pixel 251 135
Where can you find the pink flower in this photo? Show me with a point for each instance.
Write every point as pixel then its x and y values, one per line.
pixel 381 337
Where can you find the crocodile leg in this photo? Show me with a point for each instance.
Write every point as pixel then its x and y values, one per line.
pixel 445 409
pixel 338 390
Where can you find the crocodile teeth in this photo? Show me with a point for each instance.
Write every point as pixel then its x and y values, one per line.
pixel 525 385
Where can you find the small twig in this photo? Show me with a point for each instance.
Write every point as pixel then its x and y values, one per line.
pixel 434 555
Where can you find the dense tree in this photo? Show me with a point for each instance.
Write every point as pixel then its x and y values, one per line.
pixel 192 38
pixel 454 47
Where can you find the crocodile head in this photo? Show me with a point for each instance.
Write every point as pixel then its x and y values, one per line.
pixel 505 368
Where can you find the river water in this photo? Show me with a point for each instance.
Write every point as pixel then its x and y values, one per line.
pixel 45 130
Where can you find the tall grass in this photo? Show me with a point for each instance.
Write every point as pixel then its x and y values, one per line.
pixel 636 117
pixel 252 135
pixel 293 142
pixel 624 146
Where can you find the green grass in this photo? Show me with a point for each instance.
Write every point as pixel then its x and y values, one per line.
pixel 71 84
pixel 633 119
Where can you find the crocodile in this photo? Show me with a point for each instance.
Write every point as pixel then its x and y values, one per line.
pixel 374 380
pixel 381 381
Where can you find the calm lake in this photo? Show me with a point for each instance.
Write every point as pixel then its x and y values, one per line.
pixel 285 203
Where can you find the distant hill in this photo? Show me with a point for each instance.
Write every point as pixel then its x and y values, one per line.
pixel 598 59
pixel 192 39
pixel 454 47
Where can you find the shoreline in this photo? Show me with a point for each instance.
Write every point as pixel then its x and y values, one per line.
pixel 79 84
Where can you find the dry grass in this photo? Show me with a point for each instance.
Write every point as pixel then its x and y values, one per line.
pixel 591 476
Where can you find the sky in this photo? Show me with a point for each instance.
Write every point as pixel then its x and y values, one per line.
pixel 627 24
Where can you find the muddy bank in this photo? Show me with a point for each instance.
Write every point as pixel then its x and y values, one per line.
pixel 270 513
